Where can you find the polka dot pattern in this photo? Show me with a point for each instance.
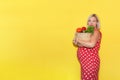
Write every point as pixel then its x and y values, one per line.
pixel 89 61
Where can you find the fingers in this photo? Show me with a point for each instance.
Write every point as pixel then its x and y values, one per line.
pixel 77 39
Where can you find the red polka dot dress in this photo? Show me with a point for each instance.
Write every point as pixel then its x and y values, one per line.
pixel 89 61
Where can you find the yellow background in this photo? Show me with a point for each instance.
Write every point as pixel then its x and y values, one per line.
pixel 36 38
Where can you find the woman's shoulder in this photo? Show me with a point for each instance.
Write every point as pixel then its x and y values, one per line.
pixel 98 33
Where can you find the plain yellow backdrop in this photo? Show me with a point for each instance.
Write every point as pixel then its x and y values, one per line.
pixel 36 38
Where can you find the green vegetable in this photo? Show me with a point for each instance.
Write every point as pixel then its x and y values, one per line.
pixel 90 29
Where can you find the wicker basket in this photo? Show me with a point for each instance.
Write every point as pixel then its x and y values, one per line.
pixel 83 36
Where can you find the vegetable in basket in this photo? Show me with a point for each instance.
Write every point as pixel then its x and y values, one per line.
pixel 83 33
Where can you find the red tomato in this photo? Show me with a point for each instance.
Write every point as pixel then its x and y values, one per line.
pixel 83 28
pixel 78 29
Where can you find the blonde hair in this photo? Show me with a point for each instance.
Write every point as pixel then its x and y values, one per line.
pixel 98 22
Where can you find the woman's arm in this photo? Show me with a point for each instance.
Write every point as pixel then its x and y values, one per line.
pixel 91 43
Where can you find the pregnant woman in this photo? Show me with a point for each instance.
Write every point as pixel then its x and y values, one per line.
pixel 88 51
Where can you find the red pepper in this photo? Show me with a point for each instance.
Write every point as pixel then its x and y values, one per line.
pixel 78 29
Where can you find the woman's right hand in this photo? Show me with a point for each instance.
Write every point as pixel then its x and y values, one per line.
pixel 77 43
pixel 74 41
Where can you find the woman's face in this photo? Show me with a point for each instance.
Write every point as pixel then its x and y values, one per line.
pixel 92 21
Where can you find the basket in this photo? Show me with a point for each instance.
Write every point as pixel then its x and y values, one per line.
pixel 83 36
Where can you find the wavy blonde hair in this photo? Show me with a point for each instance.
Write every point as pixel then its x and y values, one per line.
pixel 98 22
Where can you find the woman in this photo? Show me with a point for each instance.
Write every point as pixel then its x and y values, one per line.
pixel 87 52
